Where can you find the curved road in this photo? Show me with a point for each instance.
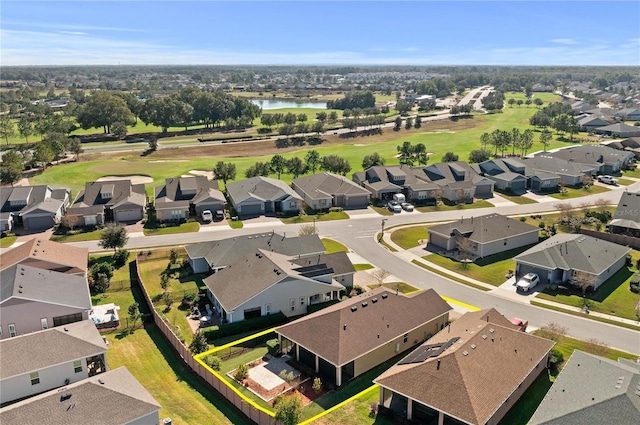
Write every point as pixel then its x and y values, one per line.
pixel 358 233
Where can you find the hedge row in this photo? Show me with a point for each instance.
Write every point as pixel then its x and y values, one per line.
pixel 259 323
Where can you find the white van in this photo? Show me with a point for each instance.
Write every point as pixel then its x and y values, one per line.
pixel 399 198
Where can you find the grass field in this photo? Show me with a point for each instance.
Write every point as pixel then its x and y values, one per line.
pixel 192 226
pixel 310 218
pixel 409 237
pixel 7 241
pixel 570 192
pixel 332 246
pixel 78 236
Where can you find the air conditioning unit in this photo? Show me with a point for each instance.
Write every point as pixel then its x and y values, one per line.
pixel 167 421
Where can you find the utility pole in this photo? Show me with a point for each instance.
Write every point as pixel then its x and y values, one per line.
pixel 384 220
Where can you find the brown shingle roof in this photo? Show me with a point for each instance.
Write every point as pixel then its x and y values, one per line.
pixel 367 328
pixel 476 374
pixel 37 249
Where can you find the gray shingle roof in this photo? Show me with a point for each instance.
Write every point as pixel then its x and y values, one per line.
pixel 30 283
pixel 328 184
pixel 591 154
pixel 259 188
pixel 227 251
pixel 485 228
pixel 574 252
pixel 367 328
pixel 338 261
pixel 121 191
pixel 33 197
pixel 592 390
pixel 183 191
pixel 50 254
pixel 113 397
pixel 50 347
pixel 628 211
pixel 545 162
pixel 475 373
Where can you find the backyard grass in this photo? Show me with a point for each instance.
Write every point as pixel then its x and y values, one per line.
pixel 151 267
pixel 183 398
pixel 571 192
pixel 409 237
pixel 332 246
pixel 490 269
pixel 7 241
pixel 566 345
pixel 310 218
pixel 192 226
pixel 361 267
pixel 403 287
pixel 356 412
pixel 78 235
pixel 525 407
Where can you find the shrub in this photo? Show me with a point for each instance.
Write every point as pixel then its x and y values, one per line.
pixel 523 219
pixel 273 346
pixel 241 372
pixel 259 323
pixel 101 268
pixel 555 359
pixel 542 225
pixel 213 362
pixel 120 257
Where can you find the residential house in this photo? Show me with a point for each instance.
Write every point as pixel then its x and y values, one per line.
pixel 485 235
pixel 325 190
pixel 457 181
pixel 118 201
pixel 592 390
pixel 41 361
pixel 558 258
pixel 339 262
pixel 206 257
pixel 508 174
pixel 619 130
pixel 540 168
pixel 113 397
pixel 32 207
pixel 382 182
pixel 262 195
pixel 626 219
pixel 628 114
pixel 182 197
pixel 262 282
pixel 581 107
pixel 604 159
pixel 631 144
pixel 472 372
pixel 344 340
pixel 33 299
pixel 592 122
pixel 47 255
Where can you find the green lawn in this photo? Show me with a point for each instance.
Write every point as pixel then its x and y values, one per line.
pixel 382 210
pixel 516 199
pixel 450 206
pixel 491 269
pixel 525 407
pixel 356 412
pixel 332 246
pixel 403 287
pixel 192 226
pixel 309 218
pixel 566 345
pixel 183 398
pixel 409 237
pixel 7 241
pixel 632 173
pixel 78 236
pixel 625 182
pixel 152 266
pixel 360 267
pixel 571 192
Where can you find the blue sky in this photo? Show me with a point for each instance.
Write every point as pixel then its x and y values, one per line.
pixel 320 32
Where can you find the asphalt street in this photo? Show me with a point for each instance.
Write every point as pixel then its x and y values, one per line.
pixel 359 235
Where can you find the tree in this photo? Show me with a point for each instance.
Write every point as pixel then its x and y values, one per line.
pixel 43 154
pixel 258 169
pixel 545 138
pixel 406 151
pixel 511 102
pixel 6 127
pixel 553 331
pixel 537 101
pixel 408 123
pixel 372 160
pixel 134 313
pixel 278 164
pixel 113 236
pixel 166 112
pixel 583 280
pixel 307 229
pixel 25 127
pixel 173 256
pixel 103 109
pixel 335 164
pixel 466 247
pixel 312 160
pixel 479 155
pixel 397 124
pixel 317 385
pixel 225 171
pixel 418 122
pixel 199 343
pixel 526 141
pixel 105 269
pixel 164 282
pixel 485 139
pixel 296 167
pixel 289 410
pixel 75 147
pixel 11 167
pixel 119 129
pixel 380 275
pixel 565 210
pixel 449 157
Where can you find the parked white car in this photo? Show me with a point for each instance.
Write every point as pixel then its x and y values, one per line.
pixel 394 206
pixel 528 281
pixel 207 215
pixel 607 180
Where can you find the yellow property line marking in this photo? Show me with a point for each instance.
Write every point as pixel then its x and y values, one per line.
pixel 460 303
pixel 339 405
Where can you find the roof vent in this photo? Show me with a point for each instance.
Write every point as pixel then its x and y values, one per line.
pixel 491 330
pixel 364 304
pixel 66 329
pixel 473 346
pixel 484 337
pixel 354 308
pixel 101 381
pixel 344 327
pixel 374 300
pixel 384 296
pixel 465 353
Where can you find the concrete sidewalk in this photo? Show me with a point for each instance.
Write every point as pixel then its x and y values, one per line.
pixel 412 255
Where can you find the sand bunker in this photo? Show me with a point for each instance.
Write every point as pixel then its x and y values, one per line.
pixel 209 174
pixel 135 179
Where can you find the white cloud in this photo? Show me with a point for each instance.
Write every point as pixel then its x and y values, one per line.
pixel 568 41
pixel 73 32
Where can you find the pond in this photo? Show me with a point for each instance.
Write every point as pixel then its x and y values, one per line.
pixel 268 104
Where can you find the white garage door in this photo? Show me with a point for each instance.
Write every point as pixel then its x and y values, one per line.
pixel 129 215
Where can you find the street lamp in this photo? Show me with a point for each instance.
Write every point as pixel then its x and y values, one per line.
pixel 384 220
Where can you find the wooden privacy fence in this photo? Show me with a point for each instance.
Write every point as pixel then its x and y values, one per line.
pixel 258 415
pixel 625 240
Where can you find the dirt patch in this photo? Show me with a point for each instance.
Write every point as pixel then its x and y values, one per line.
pixel 135 179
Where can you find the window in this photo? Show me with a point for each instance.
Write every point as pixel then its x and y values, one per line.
pixel 267 309
pixel 77 366
pixel 69 318
pixel 405 338
pixel 35 378
pixel 43 323
pixel 292 303
pixel 12 330
pixel 293 205
pixel 301 300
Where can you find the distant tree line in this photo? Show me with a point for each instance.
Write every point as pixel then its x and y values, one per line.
pixel 358 99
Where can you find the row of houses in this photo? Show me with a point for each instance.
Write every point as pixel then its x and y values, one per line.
pixel 53 360
pixel 606 121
